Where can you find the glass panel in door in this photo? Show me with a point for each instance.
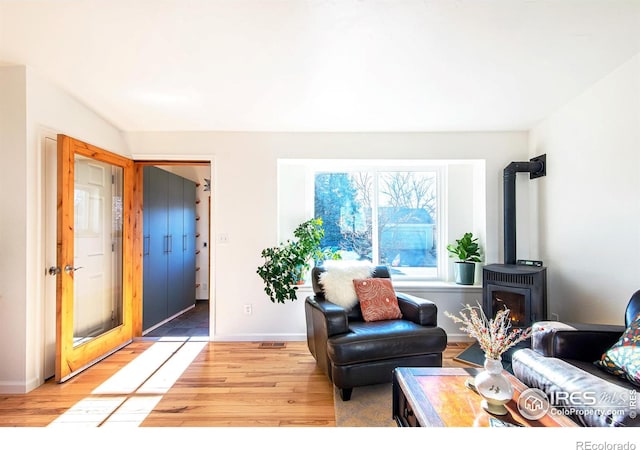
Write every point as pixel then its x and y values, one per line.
pixel 97 258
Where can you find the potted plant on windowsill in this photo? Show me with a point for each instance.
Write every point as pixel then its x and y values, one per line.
pixel 467 250
pixel 286 264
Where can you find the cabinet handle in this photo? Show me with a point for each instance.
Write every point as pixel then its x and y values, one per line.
pixel 170 243
pixel 184 242
pixel 147 241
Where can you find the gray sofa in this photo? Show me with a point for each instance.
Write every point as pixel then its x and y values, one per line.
pixel 560 363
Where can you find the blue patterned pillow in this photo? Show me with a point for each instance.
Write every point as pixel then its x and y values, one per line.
pixel 623 358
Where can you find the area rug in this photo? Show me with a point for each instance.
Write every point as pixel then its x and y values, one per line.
pixel 370 406
pixel 473 355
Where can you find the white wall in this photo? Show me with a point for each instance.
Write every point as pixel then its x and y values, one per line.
pixel 31 109
pixel 589 202
pixel 244 207
pixel 13 234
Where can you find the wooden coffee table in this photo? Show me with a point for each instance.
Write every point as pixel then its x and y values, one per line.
pixel 438 397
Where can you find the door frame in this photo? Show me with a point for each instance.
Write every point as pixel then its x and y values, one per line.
pixel 138 244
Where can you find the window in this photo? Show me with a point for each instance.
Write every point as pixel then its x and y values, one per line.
pixel 385 216
pixel 400 213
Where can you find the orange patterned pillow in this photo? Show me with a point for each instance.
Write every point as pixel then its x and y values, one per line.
pixel 377 298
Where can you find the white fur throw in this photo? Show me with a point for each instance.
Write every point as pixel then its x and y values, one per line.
pixel 337 281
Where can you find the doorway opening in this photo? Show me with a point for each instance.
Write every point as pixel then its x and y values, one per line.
pixel 176 278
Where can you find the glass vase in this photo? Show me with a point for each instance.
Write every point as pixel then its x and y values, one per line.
pixel 494 387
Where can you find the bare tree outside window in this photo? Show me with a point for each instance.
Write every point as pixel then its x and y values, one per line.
pixel 405 202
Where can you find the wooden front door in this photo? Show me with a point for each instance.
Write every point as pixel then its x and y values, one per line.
pixel 95 255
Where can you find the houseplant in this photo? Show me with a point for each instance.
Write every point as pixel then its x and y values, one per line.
pixel 285 264
pixel 467 250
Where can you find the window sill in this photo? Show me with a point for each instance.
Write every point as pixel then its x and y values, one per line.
pixel 435 286
pixel 422 286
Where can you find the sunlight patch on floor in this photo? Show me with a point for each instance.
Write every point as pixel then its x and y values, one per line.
pixel 166 376
pixel 128 397
pixel 90 412
pixel 133 411
pixel 133 375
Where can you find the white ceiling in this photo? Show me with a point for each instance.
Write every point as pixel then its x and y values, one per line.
pixel 321 65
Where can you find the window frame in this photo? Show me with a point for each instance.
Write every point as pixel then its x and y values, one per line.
pixel 386 166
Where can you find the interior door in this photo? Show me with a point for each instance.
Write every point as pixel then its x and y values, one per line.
pixel 94 255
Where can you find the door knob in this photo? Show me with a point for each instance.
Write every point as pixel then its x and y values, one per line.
pixel 54 270
pixel 68 268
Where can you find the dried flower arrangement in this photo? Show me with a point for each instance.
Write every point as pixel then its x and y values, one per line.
pixel 493 335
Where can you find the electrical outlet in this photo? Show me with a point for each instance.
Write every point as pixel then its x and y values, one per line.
pixel 248 310
pixel 555 317
pixel 223 238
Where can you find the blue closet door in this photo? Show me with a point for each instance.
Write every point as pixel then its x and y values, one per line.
pixel 156 245
pixel 189 243
pixel 169 268
pixel 175 287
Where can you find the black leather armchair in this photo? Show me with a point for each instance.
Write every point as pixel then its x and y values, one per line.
pixel 561 360
pixel 355 353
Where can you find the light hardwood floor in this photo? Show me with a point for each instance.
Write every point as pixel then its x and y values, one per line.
pixel 195 383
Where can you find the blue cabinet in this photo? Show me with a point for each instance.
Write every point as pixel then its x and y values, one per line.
pixel 169 229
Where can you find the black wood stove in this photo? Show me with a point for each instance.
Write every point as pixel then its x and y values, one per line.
pixel 520 286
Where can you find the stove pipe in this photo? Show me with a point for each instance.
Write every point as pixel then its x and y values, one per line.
pixel 537 168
